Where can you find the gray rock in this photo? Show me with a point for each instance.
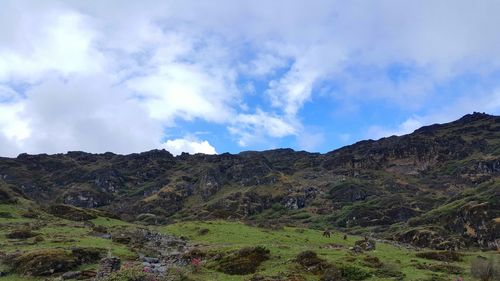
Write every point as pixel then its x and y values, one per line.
pixel 71 275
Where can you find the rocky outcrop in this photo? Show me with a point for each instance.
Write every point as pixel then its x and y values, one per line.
pixel 298 199
pixel 86 198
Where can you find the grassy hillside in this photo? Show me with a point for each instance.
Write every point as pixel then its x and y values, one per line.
pixel 215 239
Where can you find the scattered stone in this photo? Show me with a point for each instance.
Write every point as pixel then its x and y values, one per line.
pixel 108 266
pixel 87 274
pixel 365 245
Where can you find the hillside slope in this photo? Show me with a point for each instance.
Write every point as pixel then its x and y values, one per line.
pixel 438 187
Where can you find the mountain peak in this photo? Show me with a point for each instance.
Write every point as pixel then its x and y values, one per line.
pixel 475 116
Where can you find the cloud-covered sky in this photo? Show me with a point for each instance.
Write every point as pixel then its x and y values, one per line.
pixel 226 76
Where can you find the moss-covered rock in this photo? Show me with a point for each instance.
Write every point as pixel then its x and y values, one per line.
pixel 43 262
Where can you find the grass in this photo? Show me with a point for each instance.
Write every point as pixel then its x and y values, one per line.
pixel 287 243
pixel 223 236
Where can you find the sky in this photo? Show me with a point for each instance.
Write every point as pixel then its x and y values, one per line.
pixel 229 76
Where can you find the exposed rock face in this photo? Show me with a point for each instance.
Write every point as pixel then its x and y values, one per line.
pixel 445 175
pixel 86 198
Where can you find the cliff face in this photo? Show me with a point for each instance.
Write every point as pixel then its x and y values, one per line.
pixel 437 187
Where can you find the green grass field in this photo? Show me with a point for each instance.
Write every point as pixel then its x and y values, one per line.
pixel 285 244
pixel 225 236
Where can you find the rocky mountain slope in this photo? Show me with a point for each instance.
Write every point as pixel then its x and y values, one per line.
pixel 438 187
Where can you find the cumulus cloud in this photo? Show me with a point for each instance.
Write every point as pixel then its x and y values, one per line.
pixel 177 146
pixel 253 128
pixel 113 75
pixel 44 41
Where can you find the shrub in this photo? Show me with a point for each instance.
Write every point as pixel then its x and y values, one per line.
pixel 244 261
pixel 447 256
pixel 70 212
pixel 30 214
pixel 6 197
pixel 351 272
pixel 134 273
pixel 21 234
pixel 440 267
pixel 390 270
pixel 88 255
pixel 331 274
pixel 372 262
pixel 203 231
pixel 310 261
pixel 6 215
pixel 485 269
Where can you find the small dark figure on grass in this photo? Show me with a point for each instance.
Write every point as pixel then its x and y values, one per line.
pixel 327 233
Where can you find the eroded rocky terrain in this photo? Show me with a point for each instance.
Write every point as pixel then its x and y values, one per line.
pixel 438 187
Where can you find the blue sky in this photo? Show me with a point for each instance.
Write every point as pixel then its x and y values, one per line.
pixel 228 76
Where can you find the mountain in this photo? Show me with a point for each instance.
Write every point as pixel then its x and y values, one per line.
pixel 437 187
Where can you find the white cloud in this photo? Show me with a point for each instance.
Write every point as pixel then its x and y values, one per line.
pixel 84 113
pixel 184 91
pixel 310 141
pixel 177 146
pixel 253 128
pixel 480 102
pixel 408 126
pixel 111 75
pixel 12 125
pixel 50 40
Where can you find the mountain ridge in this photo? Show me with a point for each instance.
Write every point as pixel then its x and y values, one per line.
pixel 436 187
